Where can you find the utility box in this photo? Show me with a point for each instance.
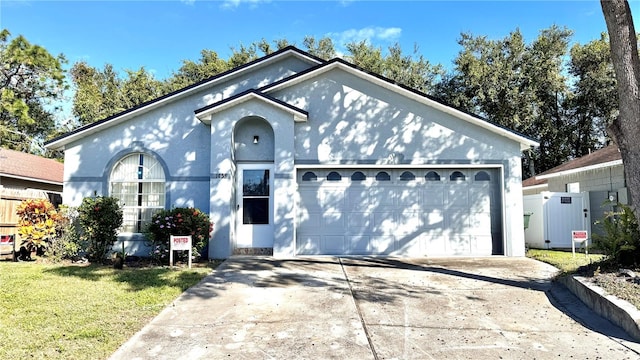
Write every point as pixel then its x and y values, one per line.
pixel 553 216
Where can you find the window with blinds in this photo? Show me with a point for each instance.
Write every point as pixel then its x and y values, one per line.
pixel 138 181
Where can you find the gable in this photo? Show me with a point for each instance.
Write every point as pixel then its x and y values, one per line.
pixel 352 118
pixel 259 73
pixel 381 82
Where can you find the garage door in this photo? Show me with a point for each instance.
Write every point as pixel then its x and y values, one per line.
pixel 408 212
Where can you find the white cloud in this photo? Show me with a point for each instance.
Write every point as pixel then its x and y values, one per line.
pixel 188 2
pixel 369 34
pixel 232 4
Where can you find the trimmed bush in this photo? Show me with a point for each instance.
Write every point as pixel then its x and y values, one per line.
pixel 100 218
pixel 178 221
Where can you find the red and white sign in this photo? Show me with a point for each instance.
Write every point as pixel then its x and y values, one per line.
pixel 179 242
pixel 582 237
pixel 6 239
pixel 579 235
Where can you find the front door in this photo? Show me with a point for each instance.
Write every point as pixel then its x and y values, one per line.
pixel 255 206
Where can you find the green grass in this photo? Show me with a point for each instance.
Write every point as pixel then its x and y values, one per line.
pixel 81 312
pixel 564 260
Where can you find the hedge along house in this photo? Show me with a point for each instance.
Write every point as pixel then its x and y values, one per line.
pixel 294 155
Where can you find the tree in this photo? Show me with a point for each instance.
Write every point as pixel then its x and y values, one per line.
pixel 101 93
pixel 412 70
pixel 242 55
pixel 97 93
pixel 31 80
pixel 323 48
pixel 138 87
pixel 516 85
pixel 366 56
pixel 191 72
pixel 594 103
pixel 624 55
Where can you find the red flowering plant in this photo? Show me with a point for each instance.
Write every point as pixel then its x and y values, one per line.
pixel 177 221
pixel 39 224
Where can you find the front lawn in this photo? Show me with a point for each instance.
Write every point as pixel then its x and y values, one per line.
pixel 81 311
pixel 564 260
pixel 601 272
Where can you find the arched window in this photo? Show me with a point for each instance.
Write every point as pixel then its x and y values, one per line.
pixel 334 176
pixel 407 176
pixel 138 181
pixel 383 176
pixel 358 176
pixel 309 176
pixel 432 176
pixel 482 176
pixel 457 176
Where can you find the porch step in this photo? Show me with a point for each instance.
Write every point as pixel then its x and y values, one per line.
pixel 253 251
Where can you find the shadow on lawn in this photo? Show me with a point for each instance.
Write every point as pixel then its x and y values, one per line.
pixel 135 278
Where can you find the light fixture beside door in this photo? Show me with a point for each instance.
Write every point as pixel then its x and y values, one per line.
pixel 256 139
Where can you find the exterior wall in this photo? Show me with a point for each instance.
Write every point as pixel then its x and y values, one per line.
pixel 598 183
pixel 223 181
pixel 171 132
pixel 352 121
pixel 534 190
pixel 28 184
pixel 605 179
pixel 173 135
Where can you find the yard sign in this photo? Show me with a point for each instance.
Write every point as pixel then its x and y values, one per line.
pixel 579 236
pixel 179 243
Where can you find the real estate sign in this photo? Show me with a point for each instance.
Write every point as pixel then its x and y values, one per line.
pixel 180 243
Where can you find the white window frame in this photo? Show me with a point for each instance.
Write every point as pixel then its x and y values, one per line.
pixel 144 175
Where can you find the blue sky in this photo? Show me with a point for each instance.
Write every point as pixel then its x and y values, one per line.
pixel 160 34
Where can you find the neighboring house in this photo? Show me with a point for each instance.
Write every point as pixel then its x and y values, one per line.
pixel 600 174
pixel 25 176
pixel 533 185
pixel 294 155
pixel 20 170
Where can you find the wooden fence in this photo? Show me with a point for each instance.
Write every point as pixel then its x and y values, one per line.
pixel 10 199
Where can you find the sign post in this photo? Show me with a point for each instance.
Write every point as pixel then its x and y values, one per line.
pixel 179 243
pixel 579 236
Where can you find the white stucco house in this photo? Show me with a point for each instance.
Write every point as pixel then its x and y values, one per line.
pixel 293 155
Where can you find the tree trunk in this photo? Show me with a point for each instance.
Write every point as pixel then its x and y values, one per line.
pixel 624 55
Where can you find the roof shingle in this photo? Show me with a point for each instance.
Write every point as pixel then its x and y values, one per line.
pixel 605 155
pixel 18 164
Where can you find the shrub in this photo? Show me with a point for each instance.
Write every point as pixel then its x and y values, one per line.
pixel 67 244
pixel 177 221
pixel 38 224
pixel 100 218
pixel 621 242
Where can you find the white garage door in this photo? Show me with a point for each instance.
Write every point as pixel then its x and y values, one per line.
pixel 408 212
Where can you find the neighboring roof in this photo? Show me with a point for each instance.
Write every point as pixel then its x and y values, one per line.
pixel 605 157
pixel 19 165
pixel 61 141
pixel 533 183
pixel 525 141
pixel 204 114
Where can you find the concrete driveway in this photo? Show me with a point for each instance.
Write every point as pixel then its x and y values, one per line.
pixel 379 308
